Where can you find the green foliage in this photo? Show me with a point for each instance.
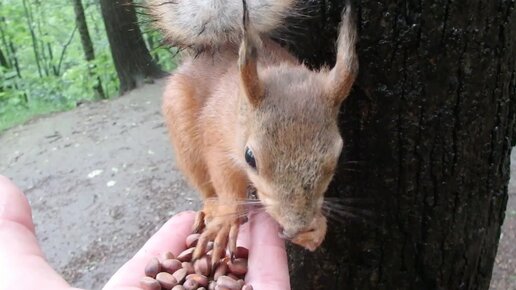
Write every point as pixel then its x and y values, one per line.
pixel 45 69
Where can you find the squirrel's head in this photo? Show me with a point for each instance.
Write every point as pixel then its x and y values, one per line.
pixel 291 147
pixel 292 142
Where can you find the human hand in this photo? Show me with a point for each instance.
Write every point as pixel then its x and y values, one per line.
pixel 23 266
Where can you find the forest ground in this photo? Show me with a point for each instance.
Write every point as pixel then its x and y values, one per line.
pixel 101 179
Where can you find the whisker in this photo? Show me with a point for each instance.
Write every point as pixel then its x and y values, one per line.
pixel 345 214
pixel 232 201
pixel 348 200
pixel 350 209
pixel 342 217
pixel 237 214
pixel 257 210
pixel 334 219
pixel 240 214
pixel 245 203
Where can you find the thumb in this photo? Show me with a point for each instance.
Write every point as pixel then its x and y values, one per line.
pixel 21 259
pixel 268 267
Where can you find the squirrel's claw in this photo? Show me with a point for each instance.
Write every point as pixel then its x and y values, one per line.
pixel 233 234
pixel 219 245
pixel 223 231
pixel 199 223
pixel 226 237
pixel 202 245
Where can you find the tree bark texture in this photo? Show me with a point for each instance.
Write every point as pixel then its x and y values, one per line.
pixel 87 45
pixel 132 59
pixel 428 134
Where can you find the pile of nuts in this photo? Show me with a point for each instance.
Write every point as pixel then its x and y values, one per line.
pixel 179 273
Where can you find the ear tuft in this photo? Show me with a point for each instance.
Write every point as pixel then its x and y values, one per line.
pixel 248 61
pixel 343 74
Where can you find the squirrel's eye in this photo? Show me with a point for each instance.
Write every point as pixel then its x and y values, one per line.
pixel 249 158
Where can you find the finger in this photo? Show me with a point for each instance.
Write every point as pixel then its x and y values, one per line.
pixel 268 267
pixel 171 237
pixel 21 258
pixel 244 236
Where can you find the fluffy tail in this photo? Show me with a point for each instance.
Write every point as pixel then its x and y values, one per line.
pixel 205 24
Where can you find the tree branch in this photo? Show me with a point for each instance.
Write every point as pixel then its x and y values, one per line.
pixel 63 52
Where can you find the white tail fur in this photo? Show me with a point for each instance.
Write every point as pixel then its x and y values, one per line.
pixel 202 24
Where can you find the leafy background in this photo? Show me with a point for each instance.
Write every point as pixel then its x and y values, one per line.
pixel 44 67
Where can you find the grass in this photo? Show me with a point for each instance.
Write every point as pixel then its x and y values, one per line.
pixel 11 116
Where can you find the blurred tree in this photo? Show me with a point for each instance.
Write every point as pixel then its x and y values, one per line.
pixel 30 25
pixel 3 60
pixel 10 51
pixel 133 62
pixel 87 46
pixel 5 65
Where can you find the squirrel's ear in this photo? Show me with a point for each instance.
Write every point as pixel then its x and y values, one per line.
pixel 343 74
pixel 247 62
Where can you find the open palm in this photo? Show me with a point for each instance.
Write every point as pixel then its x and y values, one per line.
pixel 23 266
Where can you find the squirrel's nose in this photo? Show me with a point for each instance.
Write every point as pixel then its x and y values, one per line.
pixel 289 235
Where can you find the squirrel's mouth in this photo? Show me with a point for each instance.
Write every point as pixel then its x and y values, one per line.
pixel 252 193
pixel 309 237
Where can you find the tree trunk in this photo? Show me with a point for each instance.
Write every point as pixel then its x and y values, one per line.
pixel 46 60
pixel 132 59
pixel 14 59
pixel 3 60
pixel 10 51
pixel 87 45
pixel 429 126
pixel 35 48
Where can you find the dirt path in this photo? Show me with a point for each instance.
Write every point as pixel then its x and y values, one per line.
pixel 101 179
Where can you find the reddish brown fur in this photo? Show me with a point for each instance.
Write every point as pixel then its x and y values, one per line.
pixel 284 112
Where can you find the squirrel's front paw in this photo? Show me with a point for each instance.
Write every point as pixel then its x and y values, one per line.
pixel 312 238
pixel 221 229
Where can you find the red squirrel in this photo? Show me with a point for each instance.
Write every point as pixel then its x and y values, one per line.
pixel 241 110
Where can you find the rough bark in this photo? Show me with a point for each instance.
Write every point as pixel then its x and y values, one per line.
pixel 87 45
pixel 133 62
pixel 429 123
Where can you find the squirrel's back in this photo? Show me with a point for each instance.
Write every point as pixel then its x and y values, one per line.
pixel 205 24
